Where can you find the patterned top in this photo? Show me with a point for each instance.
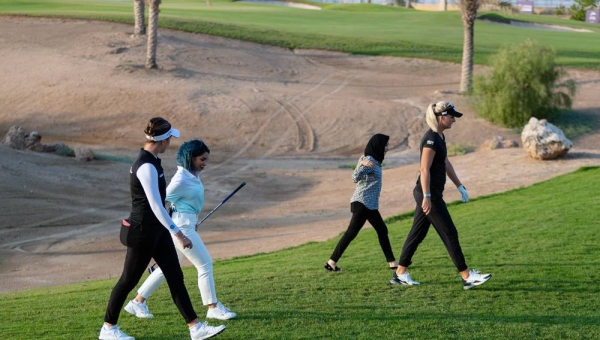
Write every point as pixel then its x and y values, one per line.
pixel 368 183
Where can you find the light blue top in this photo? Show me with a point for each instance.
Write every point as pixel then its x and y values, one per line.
pixel 186 192
pixel 368 183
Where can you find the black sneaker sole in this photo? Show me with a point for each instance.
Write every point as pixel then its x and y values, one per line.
pixel 400 283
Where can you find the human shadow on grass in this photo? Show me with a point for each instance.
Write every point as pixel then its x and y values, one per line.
pixel 363 313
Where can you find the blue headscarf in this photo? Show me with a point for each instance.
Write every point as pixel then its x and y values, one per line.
pixel 187 152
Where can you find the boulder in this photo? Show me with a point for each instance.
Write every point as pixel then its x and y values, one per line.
pixel 542 140
pixel 33 141
pixel 83 154
pixel 498 142
pixel 15 138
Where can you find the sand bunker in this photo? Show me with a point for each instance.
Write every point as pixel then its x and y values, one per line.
pixel 523 24
pixel 283 3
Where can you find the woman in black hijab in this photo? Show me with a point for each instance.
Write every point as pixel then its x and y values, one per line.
pixel 364 203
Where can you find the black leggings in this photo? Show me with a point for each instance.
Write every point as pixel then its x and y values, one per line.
pixel 361 214
pixel 442 222
pixel 147 243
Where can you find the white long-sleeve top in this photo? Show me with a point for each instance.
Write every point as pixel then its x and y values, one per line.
pixel 148 177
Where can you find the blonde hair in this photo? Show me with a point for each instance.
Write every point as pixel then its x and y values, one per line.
pixel 432 109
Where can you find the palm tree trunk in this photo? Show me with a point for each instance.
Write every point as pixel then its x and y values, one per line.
pixel 466 76
pixel 152 33
pixel 468 10
pixel 138 12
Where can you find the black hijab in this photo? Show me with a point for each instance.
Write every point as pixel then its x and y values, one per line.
pixel 376 146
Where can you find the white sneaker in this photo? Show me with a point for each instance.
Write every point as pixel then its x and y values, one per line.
pixel 475 279
pixel 139 309
pixel 403 279
pixel 220 312
pixel 113 333
pixel 203 331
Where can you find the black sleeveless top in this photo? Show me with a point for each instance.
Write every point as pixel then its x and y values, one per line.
pixel 140 208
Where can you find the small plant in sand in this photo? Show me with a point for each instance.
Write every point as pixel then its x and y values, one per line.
pixel 457 149
pixel 65 150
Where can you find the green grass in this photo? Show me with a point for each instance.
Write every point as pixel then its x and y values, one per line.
pixel 575 123
pixel 540 243
pixel 362 29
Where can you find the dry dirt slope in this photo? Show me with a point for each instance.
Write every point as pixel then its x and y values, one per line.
pixel 283 121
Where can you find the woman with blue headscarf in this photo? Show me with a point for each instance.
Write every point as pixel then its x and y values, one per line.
pixel 186 194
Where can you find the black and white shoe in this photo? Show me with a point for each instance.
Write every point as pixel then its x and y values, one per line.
pixel 403 279
pixel 475 279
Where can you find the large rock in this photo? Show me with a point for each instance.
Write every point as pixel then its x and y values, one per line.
pixel 15 138
pixel 83 154
pixel 542 140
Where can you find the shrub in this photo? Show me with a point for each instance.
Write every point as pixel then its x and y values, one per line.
pixel 524 83
pixel 65 150
pixel 457 149
pixel 577 12
pixel 560 10
pixel 580 7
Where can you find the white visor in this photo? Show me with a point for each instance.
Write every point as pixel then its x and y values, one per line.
pixel 171 133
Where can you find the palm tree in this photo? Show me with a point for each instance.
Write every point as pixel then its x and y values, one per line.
pixel 152 33
pixel 138 12
pixel 469 14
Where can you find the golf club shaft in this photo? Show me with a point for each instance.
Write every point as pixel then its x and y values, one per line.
pixel 222 202
pixel 153 267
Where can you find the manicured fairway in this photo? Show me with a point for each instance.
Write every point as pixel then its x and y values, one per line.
pixel 362 29
pixel 540 243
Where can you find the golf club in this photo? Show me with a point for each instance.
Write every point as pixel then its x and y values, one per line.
pixel 153 267
pixel 220 204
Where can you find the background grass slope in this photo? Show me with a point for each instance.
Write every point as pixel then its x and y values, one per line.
pixel 540 243
pixel 363 29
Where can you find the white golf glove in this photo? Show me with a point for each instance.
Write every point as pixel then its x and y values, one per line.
pixel 464 193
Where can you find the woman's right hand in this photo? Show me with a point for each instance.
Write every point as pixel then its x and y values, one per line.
pixel 426 205
pixel 366 162
pixel 185 242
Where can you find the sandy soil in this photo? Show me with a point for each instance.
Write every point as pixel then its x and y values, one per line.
pixel 283 121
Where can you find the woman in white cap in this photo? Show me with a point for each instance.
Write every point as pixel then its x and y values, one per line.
pixel 186 194
pixel 147 234
pixel 430 206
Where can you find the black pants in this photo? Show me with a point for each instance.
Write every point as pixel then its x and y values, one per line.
pixel 145 243
pixel 361 214
pixel 442 222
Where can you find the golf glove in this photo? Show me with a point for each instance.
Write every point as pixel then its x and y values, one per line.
pixel 463 192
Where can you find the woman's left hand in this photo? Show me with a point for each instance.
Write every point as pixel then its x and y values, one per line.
pixel 463 192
